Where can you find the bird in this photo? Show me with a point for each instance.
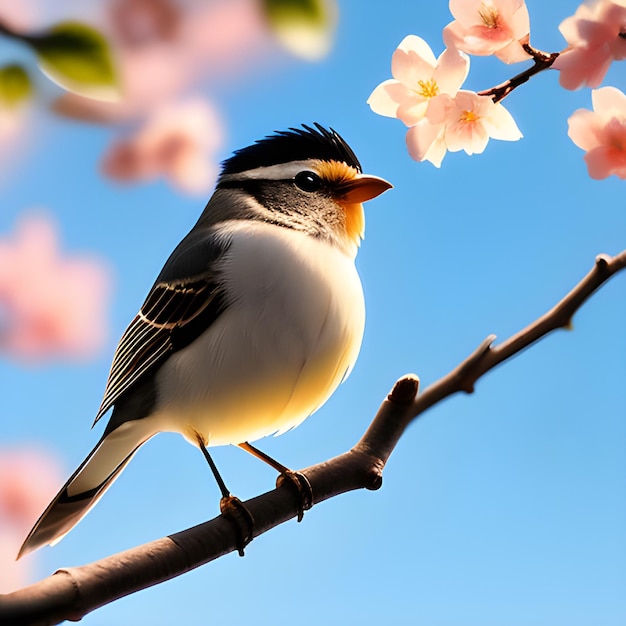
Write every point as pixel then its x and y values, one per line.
pixel 255 319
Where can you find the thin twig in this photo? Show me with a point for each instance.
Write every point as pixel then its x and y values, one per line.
pixel 486 357
pixel 542 61
pixel 71 593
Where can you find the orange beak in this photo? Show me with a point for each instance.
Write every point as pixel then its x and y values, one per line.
pixel 360 189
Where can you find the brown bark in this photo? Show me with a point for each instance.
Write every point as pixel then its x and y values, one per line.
pixel 71 593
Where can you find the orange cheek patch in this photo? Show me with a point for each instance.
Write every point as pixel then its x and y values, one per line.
pixel 336 173
pixel 355 221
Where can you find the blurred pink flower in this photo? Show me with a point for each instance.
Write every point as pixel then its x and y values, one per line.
pixel 602 133
pixel 165 47
pixel 227 38
pixel 596 35
pixel 138 22
pixel 19 16
pixel 50 305
pixel 29 478
pixel 485 27
pixel 418 78
pixel 178 142
pixel 466 125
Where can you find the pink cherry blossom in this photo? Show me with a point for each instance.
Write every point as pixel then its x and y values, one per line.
pixel 466 125
pixel 485 27
pixel 475 120
pixel 178 142
pixel 29 477
pixel 50 305
pixel 602 133
pixel 418 79
pixel 425 142
pixel 596 35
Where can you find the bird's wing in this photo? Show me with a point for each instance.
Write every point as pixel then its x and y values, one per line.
pixel 185 300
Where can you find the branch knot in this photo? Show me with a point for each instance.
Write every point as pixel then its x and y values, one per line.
pixel 405 390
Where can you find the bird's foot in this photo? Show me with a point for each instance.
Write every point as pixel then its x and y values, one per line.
pixel 298 482
pixel 233 509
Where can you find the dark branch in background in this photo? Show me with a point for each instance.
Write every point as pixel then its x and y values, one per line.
pixel 71 593
pixel 6 31
pixel 542 61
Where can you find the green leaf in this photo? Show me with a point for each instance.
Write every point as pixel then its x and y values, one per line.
pixel 15 85
pixel 304 27
pixel 77 57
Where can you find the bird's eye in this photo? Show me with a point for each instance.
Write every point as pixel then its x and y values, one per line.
pixel 308 181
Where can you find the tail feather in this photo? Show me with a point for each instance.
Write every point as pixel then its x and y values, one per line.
pixel 87 484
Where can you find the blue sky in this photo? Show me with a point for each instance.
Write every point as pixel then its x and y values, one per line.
pixel 504 507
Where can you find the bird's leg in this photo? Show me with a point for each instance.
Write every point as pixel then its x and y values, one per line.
pixel 231 507
pixel 296 480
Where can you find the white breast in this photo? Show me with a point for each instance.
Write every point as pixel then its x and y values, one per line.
pixel 291 333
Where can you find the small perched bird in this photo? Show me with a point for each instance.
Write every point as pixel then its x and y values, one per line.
pixel 253 322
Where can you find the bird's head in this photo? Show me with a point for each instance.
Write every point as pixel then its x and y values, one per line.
pixel 308 179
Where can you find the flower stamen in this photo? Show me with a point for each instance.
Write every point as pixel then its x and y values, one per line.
pixel 428 88
pixel 467 117
pixel 489 15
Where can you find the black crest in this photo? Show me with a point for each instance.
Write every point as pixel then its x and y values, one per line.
pixel 295 144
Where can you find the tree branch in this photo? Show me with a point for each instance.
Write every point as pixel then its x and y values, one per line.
pixel 69 594
pixel 542 61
